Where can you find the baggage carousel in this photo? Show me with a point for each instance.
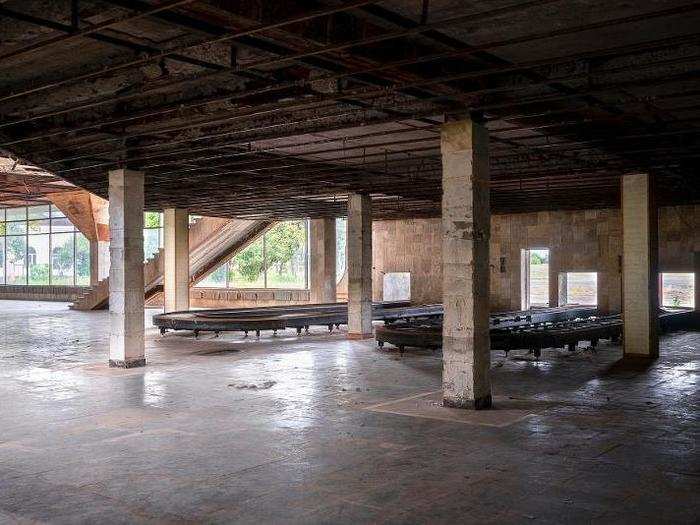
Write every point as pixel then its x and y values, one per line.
pixel 275 318
pixel 532 330
pixel 332 315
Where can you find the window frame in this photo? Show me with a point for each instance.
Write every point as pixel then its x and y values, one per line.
pixel 661 289
pixel 160 228
pixel 563 296
pixel 53 214
pixel 526 281
pixel 231 285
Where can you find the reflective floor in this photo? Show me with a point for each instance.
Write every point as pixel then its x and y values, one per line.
pixel 317 429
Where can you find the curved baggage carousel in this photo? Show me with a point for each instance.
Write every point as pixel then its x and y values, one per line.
pixel 547 328
pixel 276 318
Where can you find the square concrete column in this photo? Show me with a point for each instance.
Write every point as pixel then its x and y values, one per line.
pixel 94 262
pixel 466 216
pixel 176 263
pixel 126 288
pixel 696 269
pixel 323 278
pixel 640 282
pixel 359 248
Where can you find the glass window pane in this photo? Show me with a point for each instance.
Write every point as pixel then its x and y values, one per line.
pixel 55 212
pixel 2 260
pixel 246 268
pixel 16 228
pixel 285 251
pixel 341 228
pixel 16 251
pixel 82 260
pixel 3 228
pixel 582 288
pixel 39 226
pixel 62 266
pixel 216 279
pixel 38 259
pixel 16 214
pixel 152 219
pixel 38 212
pixel 61 225
pixel 678 290
pixel 151 242
pixel 2 214
pixel 539 277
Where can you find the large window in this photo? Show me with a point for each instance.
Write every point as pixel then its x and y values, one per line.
pixel 578 288
pixel 152 233
pixel 341 233
pixel 277 259
pixel 678 290
pixel 39 245
pixel 535 277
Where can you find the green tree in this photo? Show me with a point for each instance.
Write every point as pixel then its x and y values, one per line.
pixel 248 264
pixel 82 256
pixel 282 243
pixel 151 219
pixel 17 248
pixel 536 258
pixel 39 274
pixel 62 257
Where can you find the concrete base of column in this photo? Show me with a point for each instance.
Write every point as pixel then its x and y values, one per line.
pixel 354 336
pixel 481 403
pixel 132 363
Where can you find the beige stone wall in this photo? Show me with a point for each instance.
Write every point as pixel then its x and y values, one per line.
pixel 413 246
pixel 679 237
pixel 239 298
pixel 578 241
pixel 41 293
pixel 223 298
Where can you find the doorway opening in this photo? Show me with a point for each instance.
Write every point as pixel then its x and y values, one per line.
pixel 535 278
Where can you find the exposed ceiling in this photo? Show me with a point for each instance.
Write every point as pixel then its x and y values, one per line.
pixel 25 185
pixel 279 109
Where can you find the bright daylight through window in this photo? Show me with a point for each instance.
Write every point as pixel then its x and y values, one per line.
pixel 40 246
pixel 277 259
pixel 678 290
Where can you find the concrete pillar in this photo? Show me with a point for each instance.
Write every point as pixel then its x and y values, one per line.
pixel 554 269
pixel 103 264
pixel 359 248
pixel 94 262
pixel 323 264
pixel 640 284
pixel 176 262
pixel 126 288
pixel 466 353
pixel 696 269
pixel 99 261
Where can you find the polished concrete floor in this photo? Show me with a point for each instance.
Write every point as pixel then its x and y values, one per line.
pixel 317 429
